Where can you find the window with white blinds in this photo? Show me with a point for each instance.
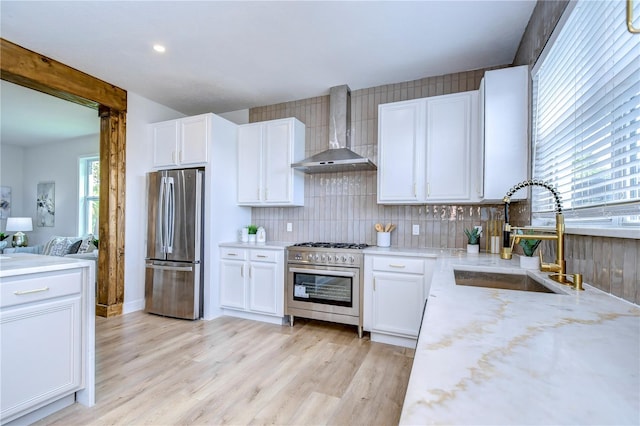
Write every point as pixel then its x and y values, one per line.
pixel 586 118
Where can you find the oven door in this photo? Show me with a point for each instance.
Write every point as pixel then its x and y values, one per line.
pixel 334 290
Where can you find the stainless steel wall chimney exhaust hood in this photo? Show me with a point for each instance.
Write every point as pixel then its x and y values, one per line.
pixel 339 157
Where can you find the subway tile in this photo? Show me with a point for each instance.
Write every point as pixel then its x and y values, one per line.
pixel 345 204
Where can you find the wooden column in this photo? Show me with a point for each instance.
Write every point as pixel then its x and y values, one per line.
pixel 110 277
pixel 30 69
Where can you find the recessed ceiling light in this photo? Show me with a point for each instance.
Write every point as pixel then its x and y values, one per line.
pixel 159 48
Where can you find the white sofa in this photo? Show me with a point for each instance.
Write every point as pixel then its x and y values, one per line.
pixel 59 246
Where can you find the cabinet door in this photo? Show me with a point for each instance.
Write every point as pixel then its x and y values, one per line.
pixel 165 143
pixel 263 288
pixel 278 173
pixel 506 121
pixel 41 353
pixel 249 164
pixel 397 303
pixel 232 284
pixel 449 142
pixel 194 145
pixel 401 152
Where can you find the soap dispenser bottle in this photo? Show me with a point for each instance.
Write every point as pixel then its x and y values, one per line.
pixel 261 236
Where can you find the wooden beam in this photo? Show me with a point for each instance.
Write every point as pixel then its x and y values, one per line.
pixel 32 70
pixel 110 297
pixel 35 71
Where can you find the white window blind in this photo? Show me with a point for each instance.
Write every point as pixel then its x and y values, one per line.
pixel 586 118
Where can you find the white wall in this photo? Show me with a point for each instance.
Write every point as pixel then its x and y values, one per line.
pixel 140 112
pixel 53 162
pixel 239 117
pixel 11 166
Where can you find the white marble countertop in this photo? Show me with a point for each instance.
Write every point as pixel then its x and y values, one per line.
pixel 487 356
pixel 420 252
pixel 24 263
pixel 273 245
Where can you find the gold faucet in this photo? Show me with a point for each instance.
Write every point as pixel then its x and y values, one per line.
pixel 511 237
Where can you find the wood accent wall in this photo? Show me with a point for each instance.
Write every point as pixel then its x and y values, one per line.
pixel 35 71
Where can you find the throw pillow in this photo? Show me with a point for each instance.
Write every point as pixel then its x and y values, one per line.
pixel 57 246
pixel 87 244
pixel 73 248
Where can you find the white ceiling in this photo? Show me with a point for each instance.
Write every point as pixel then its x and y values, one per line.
pixel 224 56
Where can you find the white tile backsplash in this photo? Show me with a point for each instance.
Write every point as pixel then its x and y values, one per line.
pixel 342 206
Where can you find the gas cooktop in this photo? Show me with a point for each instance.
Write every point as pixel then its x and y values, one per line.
pixel 350 246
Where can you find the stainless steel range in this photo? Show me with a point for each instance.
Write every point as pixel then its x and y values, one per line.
pixel 325 282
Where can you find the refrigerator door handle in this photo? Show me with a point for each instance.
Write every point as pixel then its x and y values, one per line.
pixel 170 268
pixel 170 218
pixel 162 213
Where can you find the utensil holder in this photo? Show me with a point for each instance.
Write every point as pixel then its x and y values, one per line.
pixel 384 239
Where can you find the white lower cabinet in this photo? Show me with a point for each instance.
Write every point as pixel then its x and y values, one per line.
pixel 233 279
pixel 41 333
pixel 252 283
pixel 395 291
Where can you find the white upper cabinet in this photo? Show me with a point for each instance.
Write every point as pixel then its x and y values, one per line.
pixel 250 163
pixel 401 152
pixel 505 100
pixel 452 157
pixel 181 142
pixel 428 150
pixel 266 151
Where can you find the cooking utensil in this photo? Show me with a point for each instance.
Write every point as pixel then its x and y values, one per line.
pixel 392 228
pixel 388 227
pixel 378 227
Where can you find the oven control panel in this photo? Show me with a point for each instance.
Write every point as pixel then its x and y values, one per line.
pixel 325 258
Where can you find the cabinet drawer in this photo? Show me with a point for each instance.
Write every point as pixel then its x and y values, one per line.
pixel 32 288
pixel 264 255
pixel 233 253
pixel 399 264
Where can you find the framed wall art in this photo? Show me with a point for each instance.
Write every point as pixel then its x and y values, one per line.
pixel 5 202
pixel 46 204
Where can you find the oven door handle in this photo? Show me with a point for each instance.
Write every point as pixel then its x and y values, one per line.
pixel 323 272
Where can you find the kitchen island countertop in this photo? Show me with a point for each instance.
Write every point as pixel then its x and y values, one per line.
pixel 23 263
pixel 490 356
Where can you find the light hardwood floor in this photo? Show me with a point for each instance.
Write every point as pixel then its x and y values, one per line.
pixel 159 371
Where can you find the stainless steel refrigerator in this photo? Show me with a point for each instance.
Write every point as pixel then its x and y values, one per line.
pixel 173 274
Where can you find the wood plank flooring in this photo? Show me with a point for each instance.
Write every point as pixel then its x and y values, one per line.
pixel 158 371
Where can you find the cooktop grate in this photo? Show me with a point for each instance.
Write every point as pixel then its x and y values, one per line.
pixel 352 246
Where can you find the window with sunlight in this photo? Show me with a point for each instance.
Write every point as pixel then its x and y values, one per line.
pixel 89 205
pixel 586 118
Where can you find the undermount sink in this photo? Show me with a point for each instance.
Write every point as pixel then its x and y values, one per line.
pixel 499 280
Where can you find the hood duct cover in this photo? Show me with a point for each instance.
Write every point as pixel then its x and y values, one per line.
pixel 339 157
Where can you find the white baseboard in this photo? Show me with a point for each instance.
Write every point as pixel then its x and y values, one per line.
pixel 136 305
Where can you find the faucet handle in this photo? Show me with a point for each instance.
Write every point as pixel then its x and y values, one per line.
pixel 577 280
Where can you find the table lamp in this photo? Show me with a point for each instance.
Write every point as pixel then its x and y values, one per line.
pixel 18 225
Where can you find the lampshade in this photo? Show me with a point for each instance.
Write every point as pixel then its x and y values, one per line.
pixel 19 224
